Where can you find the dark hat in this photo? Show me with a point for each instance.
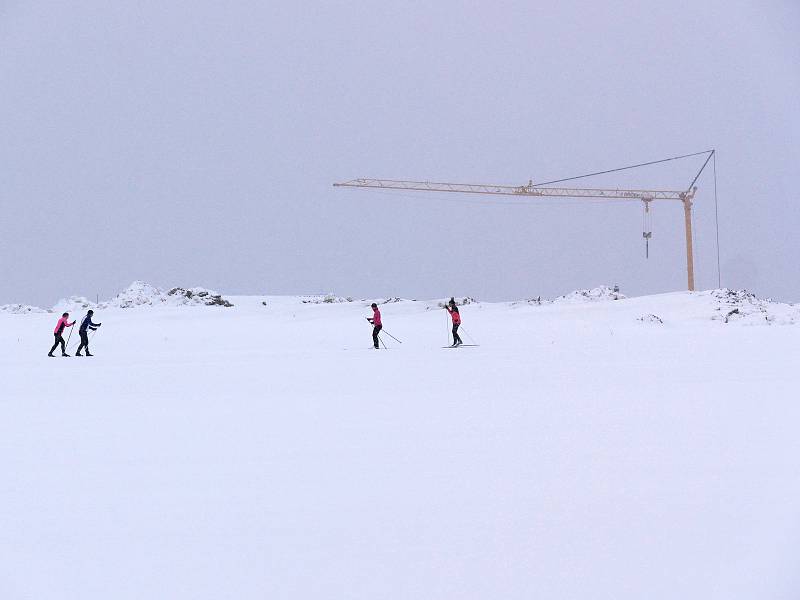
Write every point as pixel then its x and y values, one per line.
pixel 91 312
pixel 65 315
pixel 374 305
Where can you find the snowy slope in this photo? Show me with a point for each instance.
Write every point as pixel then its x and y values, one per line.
pixel 264 451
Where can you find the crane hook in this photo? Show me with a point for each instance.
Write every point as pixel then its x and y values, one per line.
pixel 647 232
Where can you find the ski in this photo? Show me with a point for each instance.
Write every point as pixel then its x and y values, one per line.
pixel 462 346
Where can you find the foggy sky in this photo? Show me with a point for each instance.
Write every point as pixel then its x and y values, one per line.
pixel 195 143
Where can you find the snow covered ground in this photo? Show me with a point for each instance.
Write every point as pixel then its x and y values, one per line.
pixel 594 448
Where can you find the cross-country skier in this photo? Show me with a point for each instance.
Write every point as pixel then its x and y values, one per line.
pixel 456 316
pixel 82 331
pixel 376 324
pixel 62 323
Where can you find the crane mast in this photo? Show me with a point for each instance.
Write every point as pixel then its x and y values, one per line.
pixel 531 190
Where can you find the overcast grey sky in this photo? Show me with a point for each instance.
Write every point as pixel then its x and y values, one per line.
pixel 195 143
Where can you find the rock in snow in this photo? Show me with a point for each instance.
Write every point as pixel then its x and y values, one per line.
pixel 651 319
pixel 741 306
pixel 197 295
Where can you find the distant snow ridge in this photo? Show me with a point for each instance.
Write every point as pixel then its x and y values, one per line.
pixel 598 294
pixel 20 309
pixel 325 299
pixel 460 301
pixel 741 306
pixel 334 299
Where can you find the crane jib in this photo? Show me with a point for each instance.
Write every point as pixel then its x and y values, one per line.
pixel 506 190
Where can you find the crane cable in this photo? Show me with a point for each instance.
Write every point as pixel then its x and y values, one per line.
pixel 645 164
pixel 712 156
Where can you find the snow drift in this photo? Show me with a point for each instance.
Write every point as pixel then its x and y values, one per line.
pixel 20 309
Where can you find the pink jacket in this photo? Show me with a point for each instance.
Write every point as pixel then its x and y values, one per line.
pixel 455 314
pixel 376 317
pixel 62 323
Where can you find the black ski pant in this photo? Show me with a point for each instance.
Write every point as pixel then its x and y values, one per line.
pixel 84 342
pixel 375 331
pixel 456 338
pixel 59 340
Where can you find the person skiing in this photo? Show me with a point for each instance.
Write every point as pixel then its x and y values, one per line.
pixel 63 322
pixel 377 325
pixel 456 316
pixel 82 331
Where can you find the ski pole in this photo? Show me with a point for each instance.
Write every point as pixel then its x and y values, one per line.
pixel 69 337
pixel 447 325
pixel 391 336
pixel 469 336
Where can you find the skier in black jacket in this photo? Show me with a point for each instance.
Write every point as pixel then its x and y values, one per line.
pixel 85 325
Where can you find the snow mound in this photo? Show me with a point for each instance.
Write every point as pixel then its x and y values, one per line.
pixel 598 294
pixel 741 306
pixel 325 299
pixel 140 293
pixel 20 309
pixel 74 303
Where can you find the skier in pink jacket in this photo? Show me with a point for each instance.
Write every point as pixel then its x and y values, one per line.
pixel 377 325
pixel 62 323
pixel 452 308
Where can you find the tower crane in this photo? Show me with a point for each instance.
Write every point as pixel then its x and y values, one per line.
pixel 686 197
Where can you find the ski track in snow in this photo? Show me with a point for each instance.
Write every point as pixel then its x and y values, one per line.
pixel 583 450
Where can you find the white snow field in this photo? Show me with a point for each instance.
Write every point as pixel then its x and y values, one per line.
pixel 259 452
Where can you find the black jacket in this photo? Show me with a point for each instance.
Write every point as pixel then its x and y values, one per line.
pixel 87 324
